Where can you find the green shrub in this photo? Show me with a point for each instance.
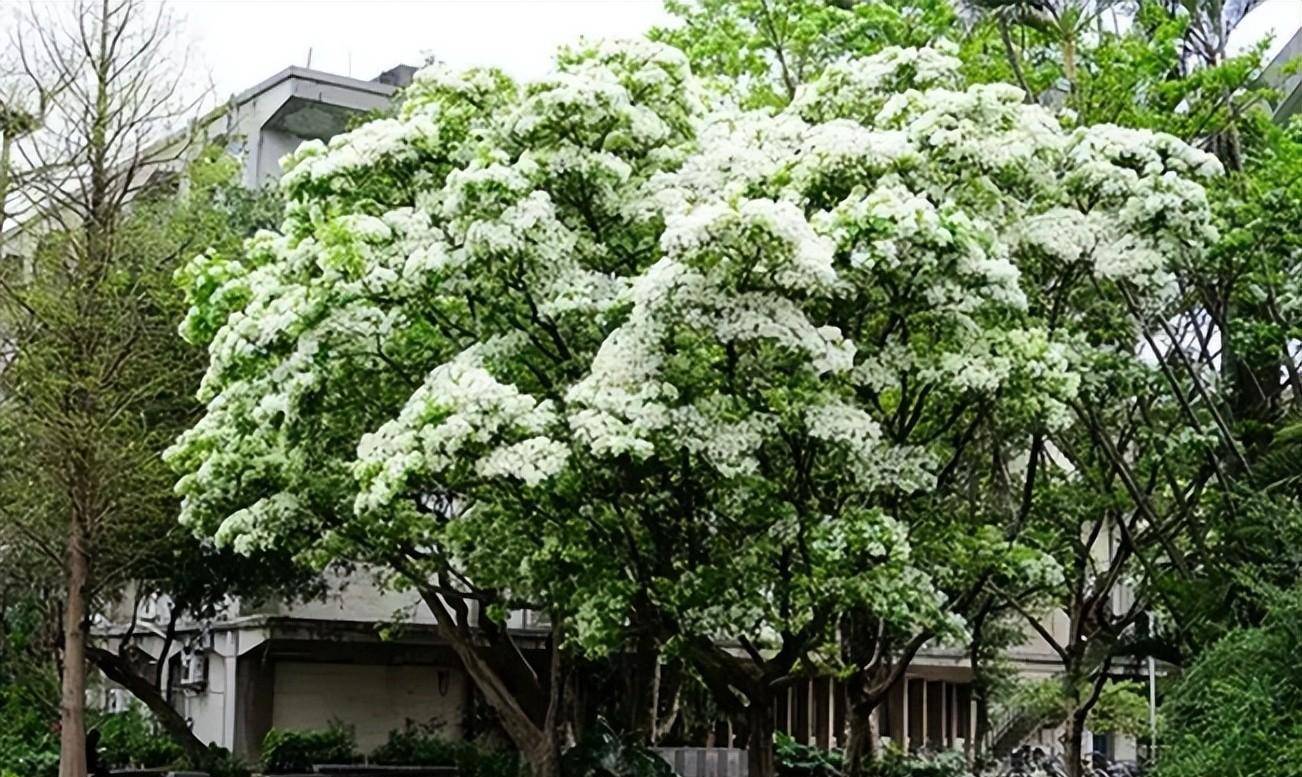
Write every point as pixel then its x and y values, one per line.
pixel 894 763
pixel 797 760
pixel 297 751
pixel 424 745
pixel 26 755
pixel 1238 708
pixel 29 739
pixel 219 762
pixel 604 753
pixel 130 739
pixel 481 762
pixel 417 745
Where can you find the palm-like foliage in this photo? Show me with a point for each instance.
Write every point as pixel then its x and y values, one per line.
pixel 1280 469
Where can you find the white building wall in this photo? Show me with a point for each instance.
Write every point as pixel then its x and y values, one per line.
pixel 206 709
pixel 373 699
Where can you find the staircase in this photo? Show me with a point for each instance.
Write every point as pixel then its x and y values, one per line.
pixel 1014 729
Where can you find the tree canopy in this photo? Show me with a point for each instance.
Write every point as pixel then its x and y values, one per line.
pixel 591 346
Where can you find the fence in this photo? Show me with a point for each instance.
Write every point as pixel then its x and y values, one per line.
pixel 706 761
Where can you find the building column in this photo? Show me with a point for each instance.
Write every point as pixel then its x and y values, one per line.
pixel 935 694
pixel 917 709
pixel 898 704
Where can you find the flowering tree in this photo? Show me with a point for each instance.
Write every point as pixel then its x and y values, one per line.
pixel 590 346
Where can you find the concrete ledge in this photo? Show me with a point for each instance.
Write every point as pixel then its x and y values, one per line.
pixel 376 770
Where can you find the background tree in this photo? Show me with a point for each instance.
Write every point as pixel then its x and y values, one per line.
pixel 24 99
pixel 89 390
pixel 204 208
pixel 765 49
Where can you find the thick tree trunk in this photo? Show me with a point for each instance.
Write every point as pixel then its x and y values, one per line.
pixel 117 669
pixel 864 744
pixel 537 741
pixel 72 707
pixel 544 760
pixel 759 740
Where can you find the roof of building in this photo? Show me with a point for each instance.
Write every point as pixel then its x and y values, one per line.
pixel 1287 81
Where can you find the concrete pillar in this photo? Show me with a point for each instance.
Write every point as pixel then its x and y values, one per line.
pixel 917 695
pixel 898 707
pixel 821 692
pixel 936 723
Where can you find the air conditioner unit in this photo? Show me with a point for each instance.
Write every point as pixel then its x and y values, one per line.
pixel 194 669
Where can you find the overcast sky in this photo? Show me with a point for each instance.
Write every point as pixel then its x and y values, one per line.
pixel 243 41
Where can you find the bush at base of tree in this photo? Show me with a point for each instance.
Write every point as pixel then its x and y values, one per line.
pixel 800 760
pixel 604 753
pixel 425 745
pixel 895 763
pixel 130 739
pixel 1238 709
pixel 286 752
pixel 220 762
pixel 417 745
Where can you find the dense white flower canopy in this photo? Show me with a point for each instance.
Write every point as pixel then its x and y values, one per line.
pixel 659 350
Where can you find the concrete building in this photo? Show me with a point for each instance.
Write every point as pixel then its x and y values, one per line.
pixel 1287 84
pixel 269 120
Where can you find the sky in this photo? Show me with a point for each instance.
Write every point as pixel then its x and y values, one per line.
pixel 244 41
pixel 241 42
pixel 237 43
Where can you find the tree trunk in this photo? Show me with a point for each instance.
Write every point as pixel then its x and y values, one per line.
pixel 669 696
pixel 6 146
pixel 759 740
pixel 864 744
pixel 982 726
pixel 117 669
pixel 1074 740
pixel 644 688
pixel 544 759
pixel 537 741
pixel 72 707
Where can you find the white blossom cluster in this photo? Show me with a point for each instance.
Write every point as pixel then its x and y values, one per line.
pixel 508 289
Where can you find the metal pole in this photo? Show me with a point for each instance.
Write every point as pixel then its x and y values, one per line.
pixel 1152 711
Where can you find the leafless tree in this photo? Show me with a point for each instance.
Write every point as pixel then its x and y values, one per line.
pixel 97 110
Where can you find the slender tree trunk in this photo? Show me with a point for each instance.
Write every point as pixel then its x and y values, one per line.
pixel 1074 739
pixel 644 687
pixel 982 726
pixel 759 740
pixel 117 669
pixel 669 687
pixel 1069 61
pixel 72 708
pixel 6 146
